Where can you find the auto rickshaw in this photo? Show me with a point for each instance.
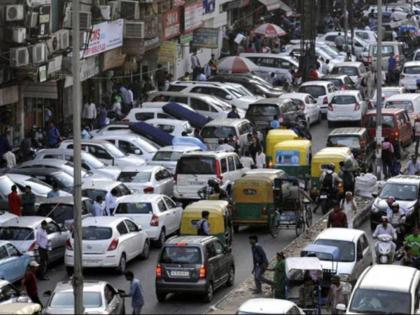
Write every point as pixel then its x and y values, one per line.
pixel 275 136
pixel 219 219
pixel 293 157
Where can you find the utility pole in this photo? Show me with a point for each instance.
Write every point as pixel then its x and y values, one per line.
pixel 379 139
pixel 346 27
pixel 77 276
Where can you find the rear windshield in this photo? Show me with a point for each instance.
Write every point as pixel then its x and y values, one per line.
pixel 14 233
pixel 264 110
pixel 134 207
pixel 343 100
pixel 66 300
pixel 386 51
pixel 196 165
pixel 167 156
pixel 387 121
pixel 350 71
pixel 314 90
pixel 58 212
pixel 407 105
pixel 134 177
pixel 181 255
pixel 337 82
pixel 144 116
pixel 412 70
pixel 218 132
pixel 353 142
pixel 93 233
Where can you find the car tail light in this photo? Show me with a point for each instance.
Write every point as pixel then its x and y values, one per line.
pixel 356 106
pixel 180 244
pixel 158 271
pixel 202 272
pixel 148 190
pixel 68 245
pixel 218 170
pixel 154 221
pixel 330 107
pixel 113 245
pixel 32 247
pixel 325 100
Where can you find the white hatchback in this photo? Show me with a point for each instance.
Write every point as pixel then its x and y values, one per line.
pixel 321 91
pixel 346 106
pixel 308 103
pixel 108 242
pixel 159 215
pixel 410 75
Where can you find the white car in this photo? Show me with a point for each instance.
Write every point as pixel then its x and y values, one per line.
pixel 10 294
pixel 416 55
pixel 94 187
pixel 269 307
pixel 321 91
pixel 149 110
pixel 368 36
pixel 355 70
pixel 410 74
pixel 168 156
pixel 346 106
pixel 159 215
pixel 148 179
pixel 6 216
pixel 172 126
pixel 355 253
pixel 106 152
pixel 308 103
pixel 108 242
pixel 408 101
pixel 387 91
pixel 130 143
pixel 58 164
pixel 359 44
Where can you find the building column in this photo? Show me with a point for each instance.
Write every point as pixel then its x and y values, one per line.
pixel 20 113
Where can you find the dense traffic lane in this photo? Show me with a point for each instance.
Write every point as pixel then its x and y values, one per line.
pixel 145 269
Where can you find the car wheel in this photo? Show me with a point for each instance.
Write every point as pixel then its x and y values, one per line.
pixel 122 265
pixel 69 271
pixel 146 250
pixel 162 237
pixel 231 278
pixel 161 297
pixel 208 297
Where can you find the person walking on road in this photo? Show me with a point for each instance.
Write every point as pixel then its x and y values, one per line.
pixel 339 41
pixel 233 114
pixel 28 201
pixel 29 282
pixel 387 157
pixel 41 240
pixel 89 113
pixel 260 262
pixel 136 292
pixel 349 207
pixel 337 294
pixel 337 218
pixel 279 278
pixel 417 134
pixel 413 166
pixel 53 136
pixel 14 202
pixel 203 226
pixel 195 65
pixel 54 193
pixel 260 158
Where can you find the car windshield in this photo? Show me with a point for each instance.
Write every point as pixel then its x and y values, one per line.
pixel 134 208
pixel 387 121
pixel 93 193
pixel 220 104
pixel 14 233
pixel 350 71
pixel 330 51
pixel 263 110
pixel 236 93
pixel 315 90
pixel 386 51
pixel 353 142
pixel 66 300
pixel 407 105
pixel 134 177
pixel 95 233
pixel 343 100
pixel 58 212
pixel 65 179
pixel 146 145
pixel 399 191
pixel 412 70
pixel 374 301
pixel 181 255
pixel 347 249
pixel 219 132
pixel 167 156
pixel 196 165
pixel 92 161
pixel 114 151
pixel 337 82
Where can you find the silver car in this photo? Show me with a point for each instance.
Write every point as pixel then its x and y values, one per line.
pixel 99 297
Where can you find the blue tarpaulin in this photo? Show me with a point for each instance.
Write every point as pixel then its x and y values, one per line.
pixel 180 112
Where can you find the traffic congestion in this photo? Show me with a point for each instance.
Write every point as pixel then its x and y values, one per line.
pixel 192 185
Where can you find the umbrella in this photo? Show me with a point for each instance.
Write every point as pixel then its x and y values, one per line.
pixel 236 64
pixel 269 30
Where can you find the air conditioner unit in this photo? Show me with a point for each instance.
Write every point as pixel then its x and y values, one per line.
pixel 115 9
pixel 53 43
pixel 63 39
pixel 14 12
pixel 19 57
pixel 133 29
pixel 105 12
pixel 85 20
pixel 39 53
pixel 129 10
pixel 33 19
pixel 146 1
pixel 19 35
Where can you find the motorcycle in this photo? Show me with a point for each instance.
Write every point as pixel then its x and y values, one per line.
pixel 385 251
pixel 326 199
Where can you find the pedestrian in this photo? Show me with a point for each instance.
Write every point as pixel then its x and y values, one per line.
pixel 417 134
pixel 279 278
pixel 54 192
pixel 213 65
pixel 275 123
pixel 339 41
pixel 246 160
pixel 111 202
pixel 337 294
pixel 260 264
pixel 14 202
pixel 117 107
pixel 349 207
pixel 160 78
pixel 136 292
pixel 337 218
pixel 195 65
pixel 225 146
pixel 387 157
pixel 203 226
pixel 6 151
pixel 347 177
pixel 53 136
pixel 325 67
pixel 89 113
pixel 260 159
pixel 28 202
pixel 102 119
pixel 392 69
pixel 202 75
pixel 313 74
pixel 233 114
pixel 413 166
pixel 25 148
pixel 85 134
pixel 29 282
pixel 41 240
pixel 98 206
pixel 254 146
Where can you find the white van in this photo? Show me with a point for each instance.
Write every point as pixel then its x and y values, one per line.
pixel 410 74
pixel 408 101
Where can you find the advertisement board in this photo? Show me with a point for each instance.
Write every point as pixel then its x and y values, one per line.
pixel 103 37
pixel 206 37
pixel 193 16
pixel 171 24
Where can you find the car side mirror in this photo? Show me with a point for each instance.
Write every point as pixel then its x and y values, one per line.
pixel 229 97
pixel 140 227
pixel 47 293
pixel 137 151
pixel 341 307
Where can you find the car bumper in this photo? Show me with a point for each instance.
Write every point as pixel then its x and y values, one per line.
pixel 345 117
pixel 323 109
pixel 94 261
pixel 199 287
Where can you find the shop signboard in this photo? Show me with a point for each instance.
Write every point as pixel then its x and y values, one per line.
pixel 171 24
pixel 206 37
pixel 168 52
pixel 193 16
pixel 113 59
pixel 185 39
pixel 103 37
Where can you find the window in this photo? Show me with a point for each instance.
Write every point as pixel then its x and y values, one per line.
pixel 314 90
pixel 161 206
pixel 121 228
pixel 196 165
pixel 176 88
pixel 231 163
pixel 144 116
pixel 268 62
pixel 380 302
pixel 94 233
pixel 13 252
pixel 238 163
pixel 3 252
pixel 159 175
pixel 111 141
pixel 134 177
pixel 167 155
pixel 98 152
pixel 218 132
pixel 179 99
pixel 65 300
pixel 218 247
pixel 197 104
pixel 245 128
pixel 13 233
pixel 52 228
pixel 263 110
pixel 122 190
pixel 343 100
pixel 211 252
pixel 387 121
pixel 161 115
pixel 131 226
pixel 218 93
pixel 407 105
pixel 181 255
pixel 169 203
pixel 134 208
pixel 127 147
pixel 166 174
pixel 223 165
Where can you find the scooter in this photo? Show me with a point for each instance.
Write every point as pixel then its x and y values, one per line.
pixel 384 249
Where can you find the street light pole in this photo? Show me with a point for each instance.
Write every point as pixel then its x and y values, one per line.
pixel 77 280
pixel 346 27
pixel 379 139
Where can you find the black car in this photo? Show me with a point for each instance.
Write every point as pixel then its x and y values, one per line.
pixel 254 84
pixel 194 264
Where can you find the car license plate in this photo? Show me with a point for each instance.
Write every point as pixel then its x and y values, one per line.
pixel 180 273
pixel 197 183
pixel 323 197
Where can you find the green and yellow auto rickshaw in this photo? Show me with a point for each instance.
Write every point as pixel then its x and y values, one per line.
pixel 274 137
pixel 294 157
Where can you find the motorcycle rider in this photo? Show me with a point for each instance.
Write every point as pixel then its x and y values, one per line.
pixel 329 179
pixel 412 248
pixel 388 229
pixel 397 219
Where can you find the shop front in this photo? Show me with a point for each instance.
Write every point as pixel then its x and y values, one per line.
pixel 10 122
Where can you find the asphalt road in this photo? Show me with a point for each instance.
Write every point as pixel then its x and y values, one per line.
pixel 145 270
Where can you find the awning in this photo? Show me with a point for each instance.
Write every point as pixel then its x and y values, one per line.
pixel 235 4
pixel 272 5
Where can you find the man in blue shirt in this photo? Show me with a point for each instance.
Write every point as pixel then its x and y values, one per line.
pixel 275 123
pixel 136 292
pixel 260 264
pixel 53 136
pixel 55 192
pixel 392 68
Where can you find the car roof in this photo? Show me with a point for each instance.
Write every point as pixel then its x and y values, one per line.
pixel 316 82
pixel 348 64
pixel 92 141
pixel 346 92
pixel 178 148
pixel 295 95
pixel 212 206
pixel 271 100
pixel 108 221
pixel 88 285
pixel 412 64
pixel 266 306
pixel 189 239
pixel 333 76
pixel 39 170
pixel 68 200
pixel 99 183
pixel 376 277
pixel 225 122
pixel 140 198
pixel 142 168
pixel 403 96
pixel 347 131
pixel 26 221
pixel 208 154
pixel 168 121
pixel 386 111
pixel 405 179
pixel 188 94
pixel 340 234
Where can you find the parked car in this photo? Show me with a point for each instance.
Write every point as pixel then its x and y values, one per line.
pixel 346 106
pixel 10 294
pixel 321 91
pixel 146 112
pixel 61 300
pixel 307 104
pixel 172 126
pixel 13 263
pixel 148 179
pixel 269 306
pixel 359 44
pixel 56 164
pixel 195 265
pixel 108 242
pixel 368 36
pixel 94 187
pixel 387 91
pixel 408 101
pixel 6 216
pixel 355 70
pixel 341 81
pixel 168 156
pixel 114 127
pixel 159 215
pixel 21 233
pixel 410 75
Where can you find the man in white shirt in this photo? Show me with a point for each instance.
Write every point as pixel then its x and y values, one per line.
pixel 225 146
pixel 195 65
pixel 260 159
pixel 413 166
pixel 110 202
pixel 41 240
pixel 98 206
pixel 385 228
pixel 246 160
pixel 89 113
